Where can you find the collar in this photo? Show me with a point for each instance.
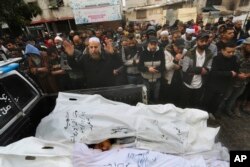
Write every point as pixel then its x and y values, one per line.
pixel 200 55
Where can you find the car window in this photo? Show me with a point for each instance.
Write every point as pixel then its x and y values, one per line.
pixel 8 109
pixel 21 92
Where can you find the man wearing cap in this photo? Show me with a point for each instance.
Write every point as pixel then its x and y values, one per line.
pixel 152 65
pixel 172 76
pixel 164 28
pixel 119 34
pixel 96 63
pixel 163 42
pixel 195 67
pixel 150 32
pixel 189 38
pixel 238 31
pixel 38 68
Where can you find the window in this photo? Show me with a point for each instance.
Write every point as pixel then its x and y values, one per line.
pixel 54 4
pixel 155 11
pixel 19 89
pixel 60 3
pixel 244 3
pixel 34 5
pixel 8 109
pixel 213 2
pixel 141 14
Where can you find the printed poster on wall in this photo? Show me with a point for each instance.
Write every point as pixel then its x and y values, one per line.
pixel 101 14
pixel 93 11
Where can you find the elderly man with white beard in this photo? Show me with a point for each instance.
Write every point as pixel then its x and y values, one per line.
pixel 96 63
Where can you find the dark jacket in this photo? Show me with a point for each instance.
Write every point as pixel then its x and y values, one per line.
pixel 239 34
pixel 154 59
pixel 98 73
pixel 221 77
pixel 189 65
pixel 130 56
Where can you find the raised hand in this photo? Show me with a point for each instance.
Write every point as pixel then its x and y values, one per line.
pixel 108 47
pixel 68 48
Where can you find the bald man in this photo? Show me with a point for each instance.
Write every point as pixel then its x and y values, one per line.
pixel 77 41
pixel 96 63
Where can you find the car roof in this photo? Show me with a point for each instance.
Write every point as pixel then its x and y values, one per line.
pixel 8 65
pixel 9 61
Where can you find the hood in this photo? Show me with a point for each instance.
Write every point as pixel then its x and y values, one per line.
pixel 30 49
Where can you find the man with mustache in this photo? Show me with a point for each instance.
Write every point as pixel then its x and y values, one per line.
pixel 196 65
pixel 96 63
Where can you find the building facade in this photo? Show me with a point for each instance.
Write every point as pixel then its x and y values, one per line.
pixel 57 16
pixel 234 7
pixel 155 11
pixel 159 11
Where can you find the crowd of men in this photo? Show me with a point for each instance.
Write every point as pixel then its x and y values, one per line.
pixel 187 64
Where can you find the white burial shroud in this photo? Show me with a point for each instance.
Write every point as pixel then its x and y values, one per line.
pixel 34 152
pixel 92 119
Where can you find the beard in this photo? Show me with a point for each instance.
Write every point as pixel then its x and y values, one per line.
pixel 95 56
pixel 238 28
pixel 202 47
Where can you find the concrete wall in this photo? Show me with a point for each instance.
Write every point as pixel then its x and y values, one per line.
pixel 155 2
pixel 135 3
pixel 242 8
pixel 200 4
pixel 229 4
pixel 62 13
pixel 155 14
pixel 160 14
pixel 235 5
